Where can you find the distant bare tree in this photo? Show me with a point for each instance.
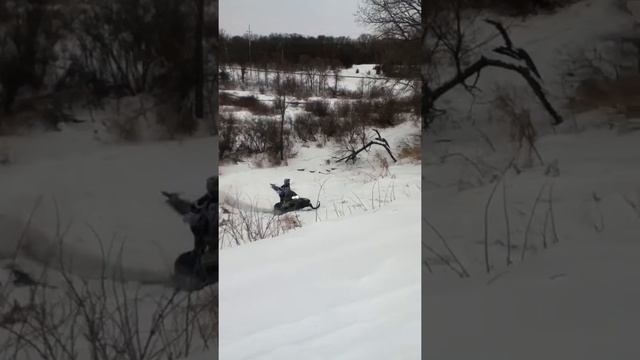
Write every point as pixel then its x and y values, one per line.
pixel 211 24
pixel 392 18
pixel 199 60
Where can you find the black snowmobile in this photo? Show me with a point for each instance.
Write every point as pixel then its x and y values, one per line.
pixel 289 200
pixel 294 204
pixel 194 269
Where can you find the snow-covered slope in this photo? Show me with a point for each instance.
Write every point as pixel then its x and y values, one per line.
pixel 573 298
pixel 346 289
pixel 344 285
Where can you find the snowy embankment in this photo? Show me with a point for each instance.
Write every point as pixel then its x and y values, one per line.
pixel 345 289
pixel 93 193
pixel 343 285
pixel 573 296
pixel 576 299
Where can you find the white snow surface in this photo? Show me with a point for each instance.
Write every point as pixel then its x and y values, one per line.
pixel 344 285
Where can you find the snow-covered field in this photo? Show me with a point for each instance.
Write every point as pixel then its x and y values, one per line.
pixel 344 283
pixel 574 295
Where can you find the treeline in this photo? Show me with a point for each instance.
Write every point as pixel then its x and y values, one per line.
pixel 519 7
pixel 327 51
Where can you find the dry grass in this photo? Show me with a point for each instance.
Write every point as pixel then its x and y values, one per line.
pixel 622 94
pixel 249 103
pixel 411 151
pixel 245 223
pixel 512 109
pixel 384 164
pixel 289 222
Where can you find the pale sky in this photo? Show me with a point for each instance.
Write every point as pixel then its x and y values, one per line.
pixel 306 17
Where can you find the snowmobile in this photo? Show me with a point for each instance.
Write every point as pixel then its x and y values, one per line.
pixel 296 203
pixel 192 270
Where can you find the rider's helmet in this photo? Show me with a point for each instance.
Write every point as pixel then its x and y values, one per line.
pixel 286 181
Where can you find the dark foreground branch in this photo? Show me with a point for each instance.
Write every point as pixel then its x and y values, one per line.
pixel 528 71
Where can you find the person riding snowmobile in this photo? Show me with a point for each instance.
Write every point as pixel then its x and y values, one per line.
pixel 197 268
pixel 203 219
pixel 284 192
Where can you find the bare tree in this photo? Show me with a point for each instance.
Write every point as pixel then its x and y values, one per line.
pixel 396 19
pixel 29 31
pixel 392 18
pixel 213 34
pixel 438 24
pixel 199 60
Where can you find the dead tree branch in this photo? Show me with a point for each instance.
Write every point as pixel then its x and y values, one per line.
pixel 379 140
pixel 527 69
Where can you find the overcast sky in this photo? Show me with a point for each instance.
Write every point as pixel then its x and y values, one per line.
pixel 306 17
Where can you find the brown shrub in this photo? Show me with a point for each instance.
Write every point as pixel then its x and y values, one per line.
pixel 318 108
pixel 411 150
pixel 622 93
pixel 363 111
pixel 250 103
pixel 228 128
pixel 330 126
pixel 386 110
pixel 289 222
pixel 306 127
pixel 343 109
pixel 261 135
